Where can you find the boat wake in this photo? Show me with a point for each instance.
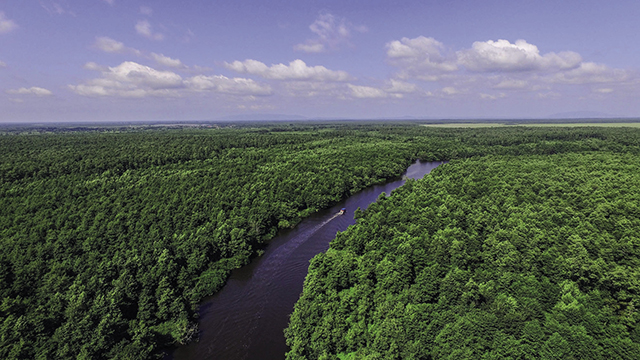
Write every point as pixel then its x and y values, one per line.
pixel 273 261
pixel 268 274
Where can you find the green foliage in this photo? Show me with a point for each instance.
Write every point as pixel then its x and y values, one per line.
pixel 495 257
pixel 109 241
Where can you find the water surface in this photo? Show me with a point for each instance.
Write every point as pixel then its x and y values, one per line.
pixel 246 319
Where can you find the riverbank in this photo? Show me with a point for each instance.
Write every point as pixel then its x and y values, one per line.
pixel 246 318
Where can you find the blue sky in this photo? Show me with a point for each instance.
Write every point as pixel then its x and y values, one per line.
pixel 112 60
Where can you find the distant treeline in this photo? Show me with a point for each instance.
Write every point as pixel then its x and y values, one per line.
pixel 111 240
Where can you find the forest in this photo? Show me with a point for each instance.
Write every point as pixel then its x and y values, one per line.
pixel 110 240
pixel 492 257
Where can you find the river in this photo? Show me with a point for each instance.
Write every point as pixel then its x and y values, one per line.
pixel 246 319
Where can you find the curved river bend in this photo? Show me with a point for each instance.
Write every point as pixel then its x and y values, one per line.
pixel 246 319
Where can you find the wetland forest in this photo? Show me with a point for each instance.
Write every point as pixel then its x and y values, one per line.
pixel 524 245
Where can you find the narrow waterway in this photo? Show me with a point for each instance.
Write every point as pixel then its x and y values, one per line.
pixel 246 319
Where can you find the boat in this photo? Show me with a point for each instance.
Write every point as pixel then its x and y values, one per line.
pixel 342 211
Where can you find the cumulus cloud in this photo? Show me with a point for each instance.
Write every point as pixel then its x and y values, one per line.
pixel 588 73
pixel 421 57
pixel 393 88
pixel 501 55
pixel 331 33
pixel 145 76
pixel 450 90
pixel 167 61
pixel 401 87
pixel 6 25
pixel 143 28
pixel 418 48
pixel 314 88
pixel 296 70
pixel 497 64
pixel 109 45
pixel 131 79
pixel 37 91
pixel 95 67
pixel 366 92
pixel 223 84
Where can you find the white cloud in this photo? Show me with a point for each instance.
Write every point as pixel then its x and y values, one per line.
pixel 143 27
pixel 110 2
pixel 145 10
pixel 450 90
pixel 393 88
pixel 131 79
pixel 366 92
pixel 420 47
pixel 109 45
pixel 37 91
pixel 401 87
pixel 500 64
pixel 331 33
pixel 91 90
pixel 296 70
pixel 6 25
pixel 167 61
pixel 144 76
pixel 420 58
pixel 225 85
pixel 3 64
pixel 314 88
pixel 589 73
pixel 95 67
pixel 502 55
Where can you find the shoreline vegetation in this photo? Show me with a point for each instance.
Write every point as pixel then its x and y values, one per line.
pixel 110 240
pixel 527 257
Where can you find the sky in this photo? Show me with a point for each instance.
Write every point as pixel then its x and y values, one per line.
pixel 129 60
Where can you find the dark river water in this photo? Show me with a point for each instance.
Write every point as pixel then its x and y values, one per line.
pixel 246 319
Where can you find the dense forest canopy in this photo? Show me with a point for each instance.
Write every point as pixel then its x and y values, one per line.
pixel 111 240
pixel 494 257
